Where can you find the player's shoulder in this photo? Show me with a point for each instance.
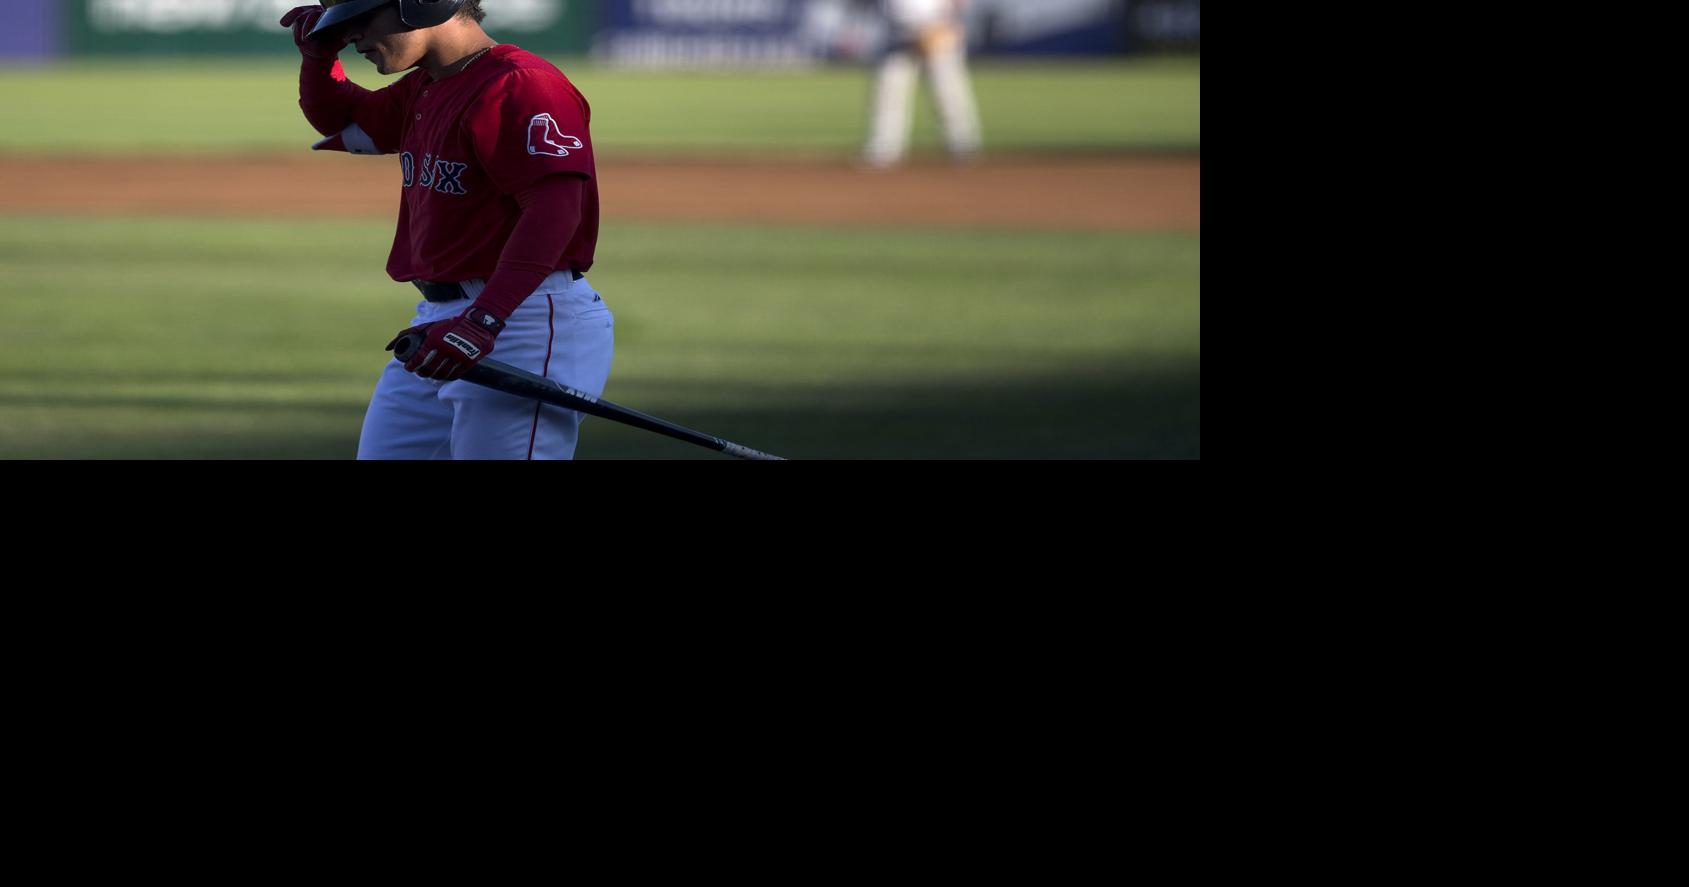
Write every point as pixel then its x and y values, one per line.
pixel 511 59
pixel 522 75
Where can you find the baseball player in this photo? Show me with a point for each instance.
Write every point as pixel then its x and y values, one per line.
pixel 498 221
pixel 921 32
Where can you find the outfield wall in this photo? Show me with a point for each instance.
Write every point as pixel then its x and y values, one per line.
pixel 642 33
pixel 32 30
pixel 238 27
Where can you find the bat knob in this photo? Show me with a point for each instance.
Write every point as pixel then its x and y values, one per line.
pixel 406 346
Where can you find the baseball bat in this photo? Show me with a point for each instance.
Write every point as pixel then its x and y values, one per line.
pixel 504 377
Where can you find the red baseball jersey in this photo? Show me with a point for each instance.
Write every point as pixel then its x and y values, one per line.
pixel 466 145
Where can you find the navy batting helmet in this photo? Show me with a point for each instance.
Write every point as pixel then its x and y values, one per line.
pixel 414 13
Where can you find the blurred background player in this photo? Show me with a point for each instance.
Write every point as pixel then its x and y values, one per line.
pixel 922 33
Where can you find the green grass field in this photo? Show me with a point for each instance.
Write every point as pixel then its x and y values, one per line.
pixel 147 338
pixel 1151 104
pixel 168 337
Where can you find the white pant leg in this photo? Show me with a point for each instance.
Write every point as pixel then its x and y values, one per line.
pixel 580 359
pixel 405 419
pixel 953 95
pixel 568 335
pixel 893 112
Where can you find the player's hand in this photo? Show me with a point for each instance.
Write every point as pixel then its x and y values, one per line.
pixel 302 19
pixel 421 329
pixel 451 347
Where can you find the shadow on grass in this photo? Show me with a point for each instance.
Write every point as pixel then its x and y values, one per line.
pixel 340 442
pixel 182 403
pixel 1109 415
pixel 1086 418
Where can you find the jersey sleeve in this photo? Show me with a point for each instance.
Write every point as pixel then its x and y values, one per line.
pixel 381 114
pixel 528 125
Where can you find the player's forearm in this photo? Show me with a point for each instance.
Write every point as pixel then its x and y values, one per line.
pixel 551 211
pixel 326 96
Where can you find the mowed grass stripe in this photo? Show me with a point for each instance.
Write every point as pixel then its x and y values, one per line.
pixel 152 338
pixel 246 105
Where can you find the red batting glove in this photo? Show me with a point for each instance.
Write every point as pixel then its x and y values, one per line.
pixel 451 347
pixel 303 19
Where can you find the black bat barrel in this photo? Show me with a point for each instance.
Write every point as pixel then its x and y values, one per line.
pixel 500 376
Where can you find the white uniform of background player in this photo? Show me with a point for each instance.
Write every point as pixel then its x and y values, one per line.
pixel 921 32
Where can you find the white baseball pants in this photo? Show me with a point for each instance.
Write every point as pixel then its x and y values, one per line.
pixel 564 331
pixel 893 114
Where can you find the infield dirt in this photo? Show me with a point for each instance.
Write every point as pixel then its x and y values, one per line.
pixel 1126 193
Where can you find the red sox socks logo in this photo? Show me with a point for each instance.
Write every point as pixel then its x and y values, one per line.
pixel 443 176
pixel 545 138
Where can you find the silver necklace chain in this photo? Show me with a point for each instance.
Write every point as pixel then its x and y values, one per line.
pixel 473 58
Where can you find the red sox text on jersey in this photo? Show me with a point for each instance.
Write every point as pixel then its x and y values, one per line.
pixel 443 176
pixel 466 145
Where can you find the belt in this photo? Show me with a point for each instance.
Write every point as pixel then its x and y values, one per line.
pixel 434 291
